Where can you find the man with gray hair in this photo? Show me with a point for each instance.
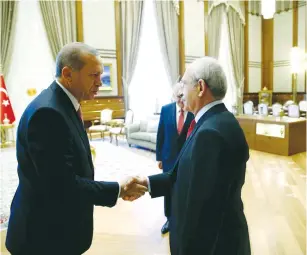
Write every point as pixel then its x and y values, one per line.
pixel 172 132
pixel 207 179
pixel 52 210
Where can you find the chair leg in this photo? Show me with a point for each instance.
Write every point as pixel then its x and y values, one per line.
pixel 116 140
pixel 91 136
pixel 111 138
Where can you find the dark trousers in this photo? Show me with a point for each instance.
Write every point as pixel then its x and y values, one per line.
pixel 167 205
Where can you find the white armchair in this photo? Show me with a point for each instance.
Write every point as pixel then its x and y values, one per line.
pixel 105 118
pixel 276 109
pixel 121 128
pixel 248 108
pixel 293 111
pixel 286 104
pixel 303 106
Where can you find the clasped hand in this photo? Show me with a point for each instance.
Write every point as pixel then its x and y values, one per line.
pixel 133 188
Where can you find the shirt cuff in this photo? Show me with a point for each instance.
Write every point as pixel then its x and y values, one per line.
pixel 119 189
pixel 149 189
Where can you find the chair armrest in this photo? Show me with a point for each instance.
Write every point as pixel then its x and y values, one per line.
pixel 132 128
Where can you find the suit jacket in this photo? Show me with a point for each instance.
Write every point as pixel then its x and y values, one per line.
pixel 52 210
pixel 206 182
pixel 169 142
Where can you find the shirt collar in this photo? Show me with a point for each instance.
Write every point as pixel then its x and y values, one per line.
pixel 206 108
pixel 73 100
pixel 178 108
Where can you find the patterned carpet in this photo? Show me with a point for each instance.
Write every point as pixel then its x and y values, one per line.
pixel 112 163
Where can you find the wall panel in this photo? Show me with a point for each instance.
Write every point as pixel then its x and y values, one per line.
pixel 283 30
pixel 254 53
pixel 99 32
pixel 194 29
pixel 301 44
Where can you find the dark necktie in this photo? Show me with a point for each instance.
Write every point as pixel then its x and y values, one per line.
pixel 80 114
pixel 192 125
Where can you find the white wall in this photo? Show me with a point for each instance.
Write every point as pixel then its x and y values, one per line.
pixel 99 32
pixel 283 34
pixel 301 43
pixel 32 65
pixel 194 29
pixel 254 39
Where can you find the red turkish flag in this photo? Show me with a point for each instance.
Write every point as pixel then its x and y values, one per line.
pixel 6 110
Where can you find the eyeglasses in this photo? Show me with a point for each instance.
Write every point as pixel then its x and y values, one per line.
pixel 180 96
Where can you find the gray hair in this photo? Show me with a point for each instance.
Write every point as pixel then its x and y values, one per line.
pixel 210 70
pixel 71 55
pixel 177 90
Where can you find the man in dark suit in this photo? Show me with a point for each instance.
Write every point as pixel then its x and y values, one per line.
pixel 172 133
pixel 52 210
pixel 206 182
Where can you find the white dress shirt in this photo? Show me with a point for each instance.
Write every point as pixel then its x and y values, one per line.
pixel 206 108
pixel 71 97
pixel 76 106
pixel 201 112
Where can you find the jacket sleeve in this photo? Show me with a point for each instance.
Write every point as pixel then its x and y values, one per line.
pixel 161 184
pixel 51 148
pixel 160 137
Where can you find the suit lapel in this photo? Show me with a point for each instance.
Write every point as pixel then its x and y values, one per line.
pixel 78 123
pixel 174 118
pixel 215 109
pixel 71 112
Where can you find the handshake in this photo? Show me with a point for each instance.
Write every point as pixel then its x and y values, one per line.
pixel 133 188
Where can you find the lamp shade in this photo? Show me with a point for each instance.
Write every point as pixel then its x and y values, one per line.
pixel 268 8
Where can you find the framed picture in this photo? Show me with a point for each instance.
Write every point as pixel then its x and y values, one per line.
pixel 265 96
pixel 106 77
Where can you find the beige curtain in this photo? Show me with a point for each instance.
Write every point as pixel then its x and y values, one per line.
pixel 239 6
pixel 283 5
pixel 60 23
pixel 167 17
pixel 131 17
pixel 8 14
pixel 236 39
pixel 254 6
pixel 214 30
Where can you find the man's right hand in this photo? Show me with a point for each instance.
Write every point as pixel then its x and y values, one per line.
pixel 160 165
pixel 132 188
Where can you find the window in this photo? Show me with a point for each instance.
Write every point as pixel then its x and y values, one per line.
pixel 150 86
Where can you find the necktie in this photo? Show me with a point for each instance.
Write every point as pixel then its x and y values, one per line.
pixel 80 114
pixel 192 125
pixel 180 121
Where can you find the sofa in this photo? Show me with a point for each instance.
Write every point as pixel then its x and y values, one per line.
pixel 144 132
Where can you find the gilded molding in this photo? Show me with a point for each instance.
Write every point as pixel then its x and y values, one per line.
pixel 79 21
pixel 117 11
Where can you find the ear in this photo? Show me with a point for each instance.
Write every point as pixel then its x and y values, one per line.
pixel 67 73
pixel 201 87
